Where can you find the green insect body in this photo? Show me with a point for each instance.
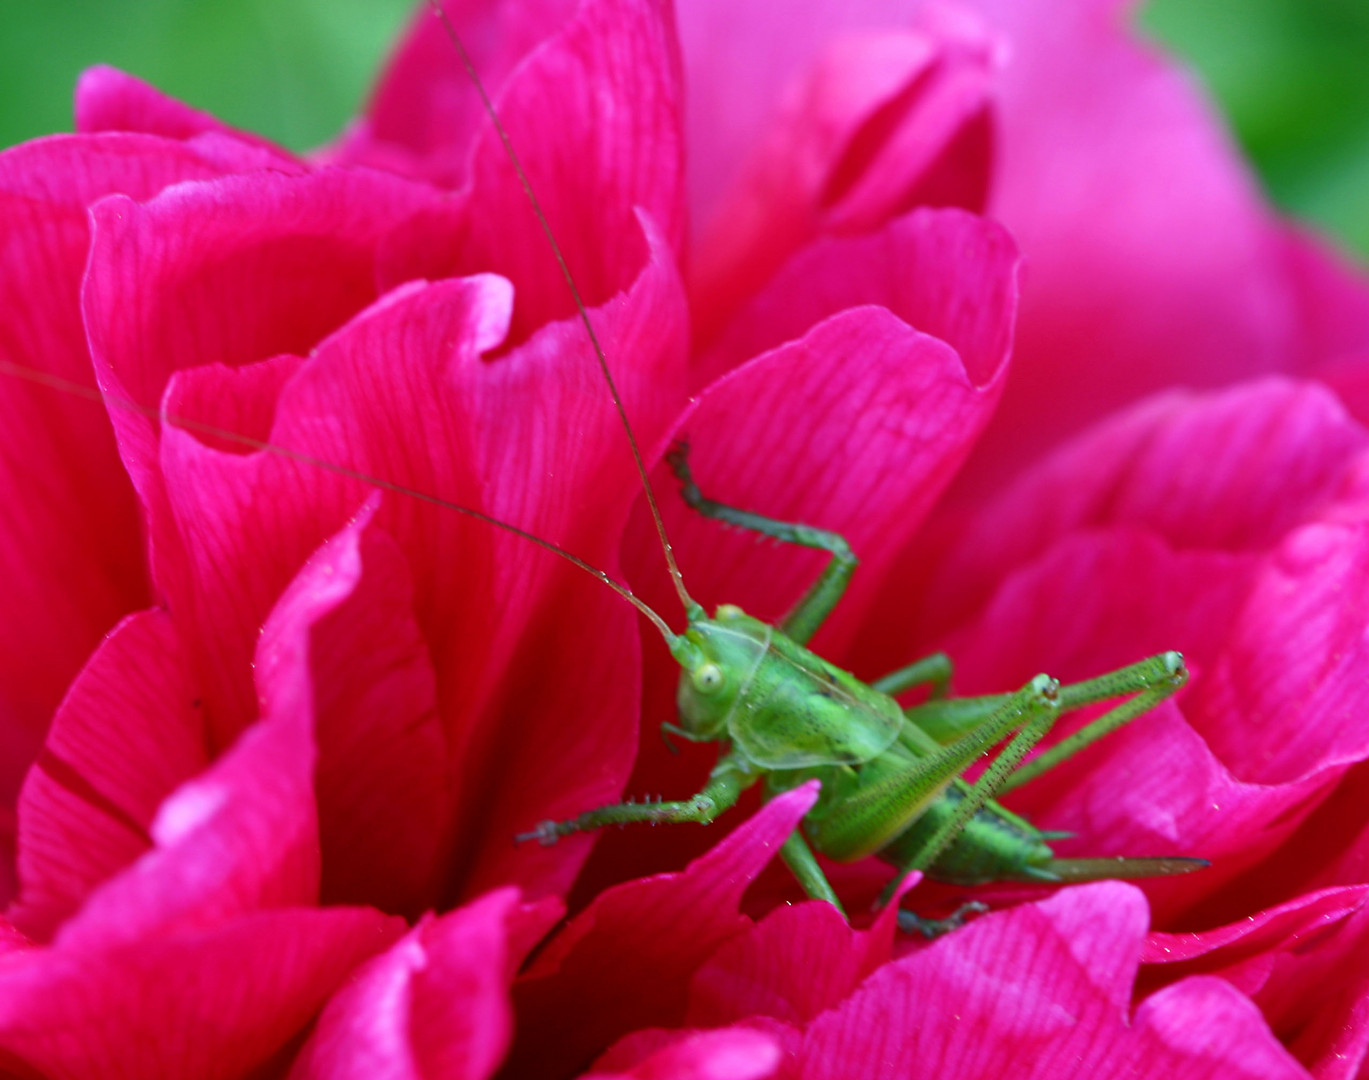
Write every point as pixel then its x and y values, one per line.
pixel 891 777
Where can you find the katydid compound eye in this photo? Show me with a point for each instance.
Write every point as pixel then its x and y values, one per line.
pixel 707 678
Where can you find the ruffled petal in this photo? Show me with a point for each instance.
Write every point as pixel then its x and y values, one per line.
pixel 1042 991
pixel 435 1004
pixel 625 961
pixel 73 561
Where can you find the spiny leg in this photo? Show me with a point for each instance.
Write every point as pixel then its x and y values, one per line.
pixel 1152 681
pixel 1041 712
pixel 867 818
pixel 817 603
pixel 729 778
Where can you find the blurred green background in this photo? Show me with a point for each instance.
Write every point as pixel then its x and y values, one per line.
pixel 1293 75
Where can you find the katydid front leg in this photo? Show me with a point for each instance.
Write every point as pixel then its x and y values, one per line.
pixel 729 778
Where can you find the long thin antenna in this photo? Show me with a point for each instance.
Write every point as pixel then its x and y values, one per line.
pixel 67 386
pixel 689 603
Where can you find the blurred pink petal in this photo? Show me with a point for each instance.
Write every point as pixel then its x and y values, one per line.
pixel 108 99
pixel 881 124
pixel 212 1001
pixel 736 1054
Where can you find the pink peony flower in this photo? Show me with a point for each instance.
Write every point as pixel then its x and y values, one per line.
pixel 983 288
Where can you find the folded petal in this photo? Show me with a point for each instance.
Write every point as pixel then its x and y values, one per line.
pixel 126 736
pixel 795 963
pixel 435 1004
pixel 594 113
pixel 858 416
pixel 734 1054
pixel 425 113
pixel 880 123
pixel 624 962
pixel 215 1001
pixel 404 394
pixel 1042 990
pixel 1137 283
pixel 1231 471
pixel 108 99
pixel 73 560
pixel 1301 962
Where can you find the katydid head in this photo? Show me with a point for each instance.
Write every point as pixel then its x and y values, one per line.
pixel 717 658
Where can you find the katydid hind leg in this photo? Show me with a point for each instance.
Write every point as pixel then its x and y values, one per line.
pixel 867 818
pixel 1151 681
pixel 1040 708
pixel 822 596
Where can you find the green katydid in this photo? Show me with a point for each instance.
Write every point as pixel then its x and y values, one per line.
pixel 891 778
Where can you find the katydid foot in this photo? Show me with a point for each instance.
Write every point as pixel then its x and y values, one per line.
pixel 932 929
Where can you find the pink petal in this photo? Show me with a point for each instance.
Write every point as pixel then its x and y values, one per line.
pixel 127 734
pixel 795 963
pixel 408 397
pixel 735 1054
pixel 1301 963
pixel 383 787
pixel 425 112
pixel 1136 283
pixel 946 273
pixel 594 114
pixel 1043 990
pixel 1333 299
pixel 623 963
pixel 212 1002
pixel 435 1004
pixel 880 124
pixel 241 245
pixel 242 835
pixel 381 780
pixel 108 99
pixel 879 411
pixel 1296 660
pixel 1232 471
pixel 76 566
